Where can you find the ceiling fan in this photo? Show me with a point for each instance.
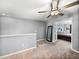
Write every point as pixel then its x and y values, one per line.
pixel 55 10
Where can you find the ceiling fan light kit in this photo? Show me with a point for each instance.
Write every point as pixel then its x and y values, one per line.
pixel 52 13
pixel 55 13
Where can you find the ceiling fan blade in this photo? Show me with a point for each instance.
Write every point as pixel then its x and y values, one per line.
pixel 51 5
pixel 57 4
pixel 72 4
pixel 42 11
pixel 48 16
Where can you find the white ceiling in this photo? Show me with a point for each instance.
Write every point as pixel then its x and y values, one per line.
pixel 27 9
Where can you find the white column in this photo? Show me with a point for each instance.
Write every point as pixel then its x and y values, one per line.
pixel 75 31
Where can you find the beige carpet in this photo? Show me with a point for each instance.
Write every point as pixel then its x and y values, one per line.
pixel 47 50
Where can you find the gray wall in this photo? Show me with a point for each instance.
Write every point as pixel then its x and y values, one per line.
pixel 14 26
pixel 13 44
pixel 56 19
pixel 9 26
pixel 75 30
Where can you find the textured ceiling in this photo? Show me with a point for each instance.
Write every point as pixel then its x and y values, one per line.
pixel 27 9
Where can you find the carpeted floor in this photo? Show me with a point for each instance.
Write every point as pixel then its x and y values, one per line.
pixel 47 50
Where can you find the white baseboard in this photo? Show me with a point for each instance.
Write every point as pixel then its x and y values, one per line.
pixel 1 57
pixel 75 50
